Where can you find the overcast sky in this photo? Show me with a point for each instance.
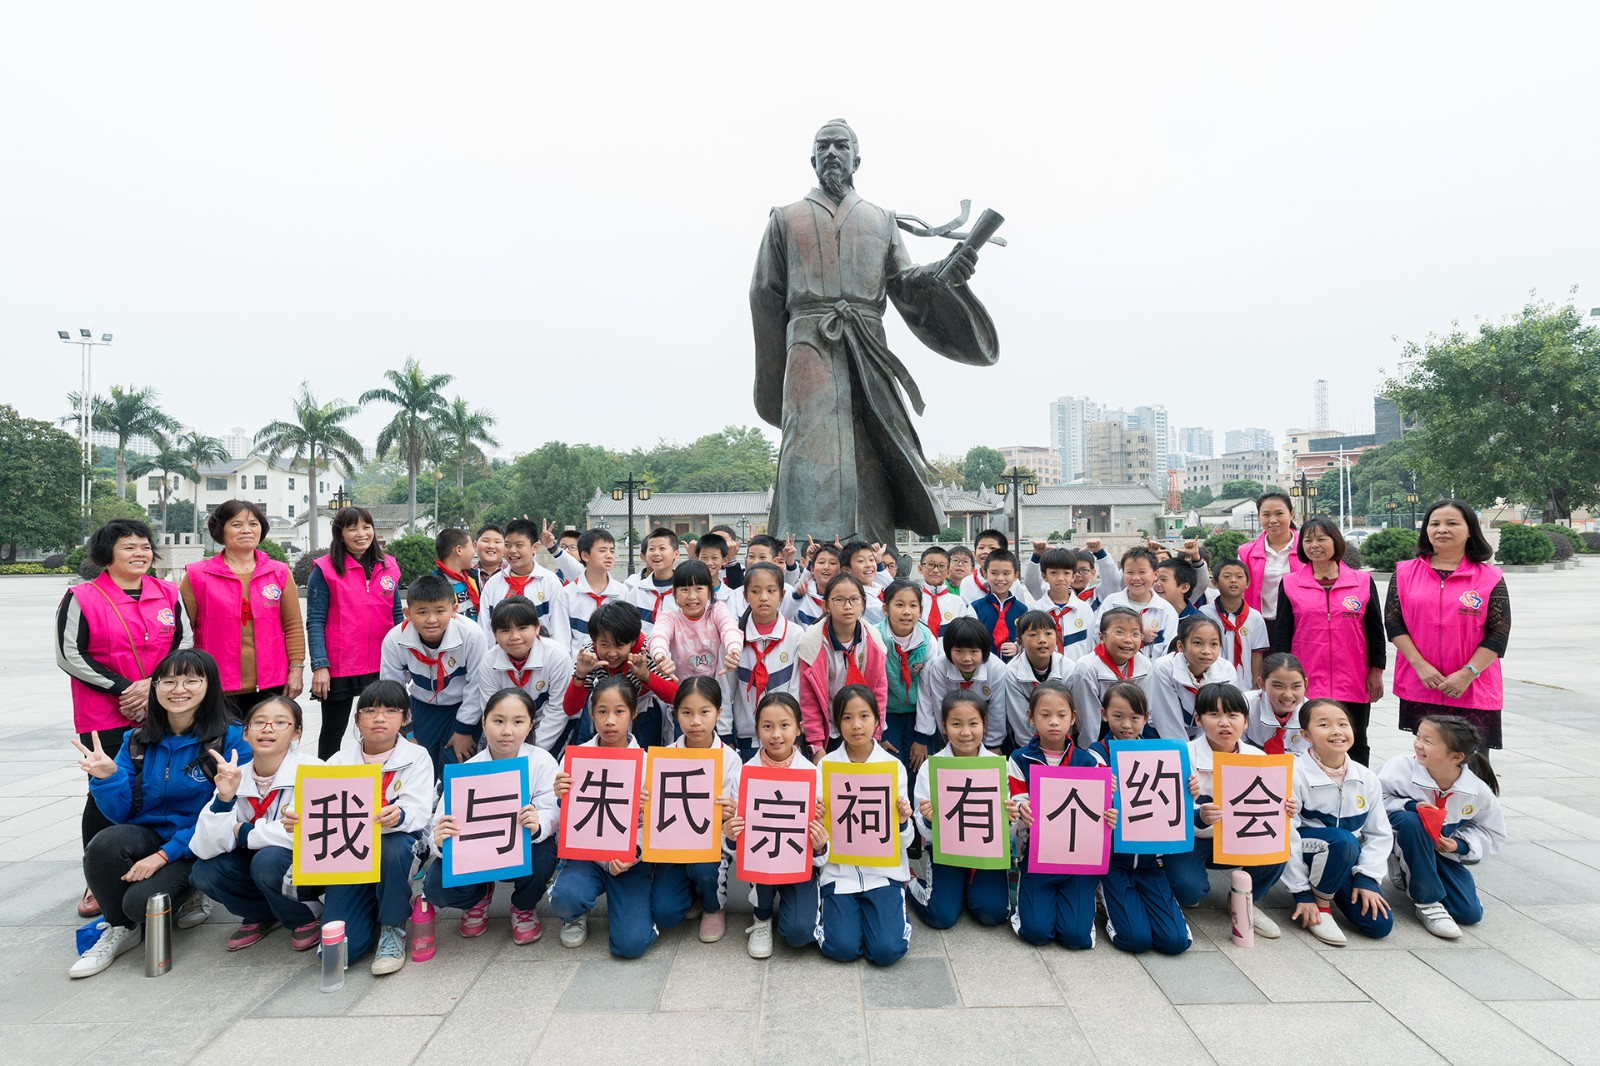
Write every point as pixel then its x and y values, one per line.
pixel 1208 205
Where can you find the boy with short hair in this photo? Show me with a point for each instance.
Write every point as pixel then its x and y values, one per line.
pixel 563 549
pixel 940 605
pixel 1175 580
pixel 491 549
pixel 1094 575
pixel 713 551
pixel 523 576
pixel 524 658
pixel 961 563
pixel 1066 573
pixel 452 550
pixel 1115 658
pixel 1157 617
pixel 593 589
pixel 998 608
pixel 975 585
pixel 1245 640
pixel 616 646
pixel 859 559
pixel 732 572
pixel 651 591
pixel 437 657
pixel 1038 662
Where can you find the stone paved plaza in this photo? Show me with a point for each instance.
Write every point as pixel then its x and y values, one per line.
pixel 1523 987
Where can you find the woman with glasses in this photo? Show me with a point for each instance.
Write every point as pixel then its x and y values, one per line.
pixel 152 793
pixel 110 634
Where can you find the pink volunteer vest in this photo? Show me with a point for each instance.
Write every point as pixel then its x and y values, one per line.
pixel 1253 554
pixel 128 636
pixel 219 627
pixel 1446 622
pixel 360 612
pixel 1328 638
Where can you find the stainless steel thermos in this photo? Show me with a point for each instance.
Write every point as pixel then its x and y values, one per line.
pixel 158 935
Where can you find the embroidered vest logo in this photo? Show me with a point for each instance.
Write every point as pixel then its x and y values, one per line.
pixel 386 583
pixel 272 592
pixel 1471 600
pixel 166 617
pixel 1352 604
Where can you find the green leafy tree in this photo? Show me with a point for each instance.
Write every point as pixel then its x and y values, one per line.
pixel 555 482
pixel 1224 544
pixel 1524 546
pixel 414 429
pixel 462 430
pixel 1238 490
pixel 945 472
pixel 180 515
pixel 167 461
pixel 414 553
pixel 1386 547
pixel 317 436
pixel 736 459
pixel 981 466
pixel 199 451
pixel 1194 499
pixel 1510 410
pixel 128 414
pixel 106 506
pixel 274 550
pixel 41 472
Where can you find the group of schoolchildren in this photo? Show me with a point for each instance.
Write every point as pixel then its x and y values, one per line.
pixel 802 656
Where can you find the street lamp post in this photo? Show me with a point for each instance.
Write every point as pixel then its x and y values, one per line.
pixel 629 489
pixel 1305 492
pixel 1018 483
pixel 340 500
pixel 1390 507
pixel 86 342
pixel 1411 498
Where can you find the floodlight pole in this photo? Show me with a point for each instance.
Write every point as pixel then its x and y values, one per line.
pixel 86 343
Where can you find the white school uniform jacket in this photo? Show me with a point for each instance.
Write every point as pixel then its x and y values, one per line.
pixel 1108 580
pixel 1172 691
pixel 849 879
pixel 542 771
pixel 411 788
pixel 575 605
pixel 1356 806
pixel 780 647
pixel 940 676
pixel 460 654
pixel 803 604
pixel 214 832
pixel 1017 682
pixel 974 588
pixel 1253 637
pixel 1089 680
pixel 568 568
pixel 1074 620
pixel 1157 614
pixel 1472 813
pixel 543 588
pixel 924 790
pixel 939 599
pixel 1200 764
pixel 1262 724
pixel 653 599
pixel 544 676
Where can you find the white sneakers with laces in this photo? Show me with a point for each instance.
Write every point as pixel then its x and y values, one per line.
pixel 760 943
pixel 113 942
pixel 575 932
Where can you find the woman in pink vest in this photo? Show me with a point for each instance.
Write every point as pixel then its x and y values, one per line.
pixel 1449 617
pixel 1272 556
pixel 110 634
pixel 245 610
pixel 352 601
pixel 1329 619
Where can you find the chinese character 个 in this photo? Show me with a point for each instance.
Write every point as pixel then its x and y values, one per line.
pixel 504 822
pixel 597 794
pixel 782 820
pixel 972 813
pixel 1259 811
pixel 345 823
pixel 1074 800
pixel 873 818
pixel 683 794
pixel 1140 783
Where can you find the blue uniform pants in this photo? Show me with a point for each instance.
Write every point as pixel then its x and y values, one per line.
pixel 1330 854
pixel 899 733
pixel 1141 912
pixel 1057 907
pixel 525 891
pixel 1432 877
pixel 951 889
pixel 431 728
pixel 677 887
pixel 363 908
pixel 796 906
pixel 871 924
pixel 252 884
pixel 1190 881
pixel 579 884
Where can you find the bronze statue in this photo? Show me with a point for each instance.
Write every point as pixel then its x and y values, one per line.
pixel 850 462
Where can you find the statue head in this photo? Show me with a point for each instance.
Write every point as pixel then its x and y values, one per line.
pixel 835 155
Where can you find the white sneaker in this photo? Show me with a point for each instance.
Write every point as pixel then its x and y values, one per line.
pixel 1328 931
pixel 760 943
pixel 196 910
pixel 1263 925
pixel 1397 871
pixel 113 942
pixel 391 952
pixel 1438 921
pixel 575 932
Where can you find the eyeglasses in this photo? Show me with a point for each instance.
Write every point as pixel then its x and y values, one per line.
pixel 271 727
pixel 854 601
pixel 381 712
pixel 170 683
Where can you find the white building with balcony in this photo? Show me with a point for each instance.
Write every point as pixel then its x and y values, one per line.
pixel 283 493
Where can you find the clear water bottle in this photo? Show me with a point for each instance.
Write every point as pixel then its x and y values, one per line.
pixel 333 949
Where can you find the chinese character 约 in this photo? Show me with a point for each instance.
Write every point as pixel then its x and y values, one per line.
pixel 781 819
pixel 597 794
pixel 1259 811
pixel 1074 799
pixel 504 822
pixel 1139 784
pixel 971 812
pixel 873 819
pixel 346 824
pixel 683 794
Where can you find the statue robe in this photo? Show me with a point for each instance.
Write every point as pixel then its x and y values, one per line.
pixel 850 461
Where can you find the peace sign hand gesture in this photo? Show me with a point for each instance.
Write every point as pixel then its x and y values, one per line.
pixel 228 774
pixel 95 762
pixel 547 536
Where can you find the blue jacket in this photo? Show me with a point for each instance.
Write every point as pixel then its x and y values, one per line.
pixel 987 611
pixel 172 793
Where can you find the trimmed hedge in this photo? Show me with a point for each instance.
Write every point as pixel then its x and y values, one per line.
pixel 9 569
pixel 1524 546
pixel 1386 547
pixel 414 553
pixel 1567 533
pixel 303 565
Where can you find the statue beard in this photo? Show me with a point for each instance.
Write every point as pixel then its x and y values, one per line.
pixel 835 182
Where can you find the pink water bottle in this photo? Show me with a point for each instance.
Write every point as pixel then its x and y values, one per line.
pixel 1242 907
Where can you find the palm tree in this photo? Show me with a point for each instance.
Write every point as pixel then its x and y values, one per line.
pixel 461 430
pixel 169 460
pixel 127 414
pixel 317 435
pixel 199 451
pixel 413 429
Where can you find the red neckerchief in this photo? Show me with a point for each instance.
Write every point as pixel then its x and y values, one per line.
pixel 383 788
pixel 1193 690
pixel 1056 616
pixel 852 672
pixel 519 677
pixel 1236 627
pixel 935 614
pixel 465 580
pixel 1086 595
pixel 977 579
pixel 655 608
pixel 967 683
pixel 599 598
pixel 1274 744
pixel 435 661
pixel 518 585
pixel 905 666
pixel 1105 657
pixel 1002 628
pixel 758 672
pixel 258 807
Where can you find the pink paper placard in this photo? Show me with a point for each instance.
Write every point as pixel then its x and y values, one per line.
pixel 683 820
pixel 487 807
pixel 600 813
pixel 778 807
pixel 1251 790
pixel 1069 834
